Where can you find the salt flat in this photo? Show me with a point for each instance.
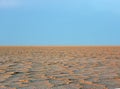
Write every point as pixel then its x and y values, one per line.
pixel 59 67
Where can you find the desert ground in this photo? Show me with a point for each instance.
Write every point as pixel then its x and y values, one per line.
pixel 59 67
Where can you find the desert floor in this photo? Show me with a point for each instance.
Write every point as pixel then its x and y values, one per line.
pixel 59 67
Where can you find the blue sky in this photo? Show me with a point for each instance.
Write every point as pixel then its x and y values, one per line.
pixel 59 22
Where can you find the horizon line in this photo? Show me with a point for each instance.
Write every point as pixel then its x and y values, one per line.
pixel 59 45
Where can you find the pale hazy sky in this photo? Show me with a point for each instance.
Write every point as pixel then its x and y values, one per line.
pixel 59 22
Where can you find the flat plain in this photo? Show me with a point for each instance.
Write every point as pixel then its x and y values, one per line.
pixel 59 67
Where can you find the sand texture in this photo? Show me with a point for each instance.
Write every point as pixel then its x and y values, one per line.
pixel 59 67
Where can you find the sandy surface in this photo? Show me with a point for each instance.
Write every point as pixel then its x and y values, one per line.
pixel 59 67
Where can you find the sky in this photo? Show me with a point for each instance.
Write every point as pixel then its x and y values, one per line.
pixel 59 22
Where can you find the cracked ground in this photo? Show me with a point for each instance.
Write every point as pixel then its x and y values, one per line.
pixel 59 67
